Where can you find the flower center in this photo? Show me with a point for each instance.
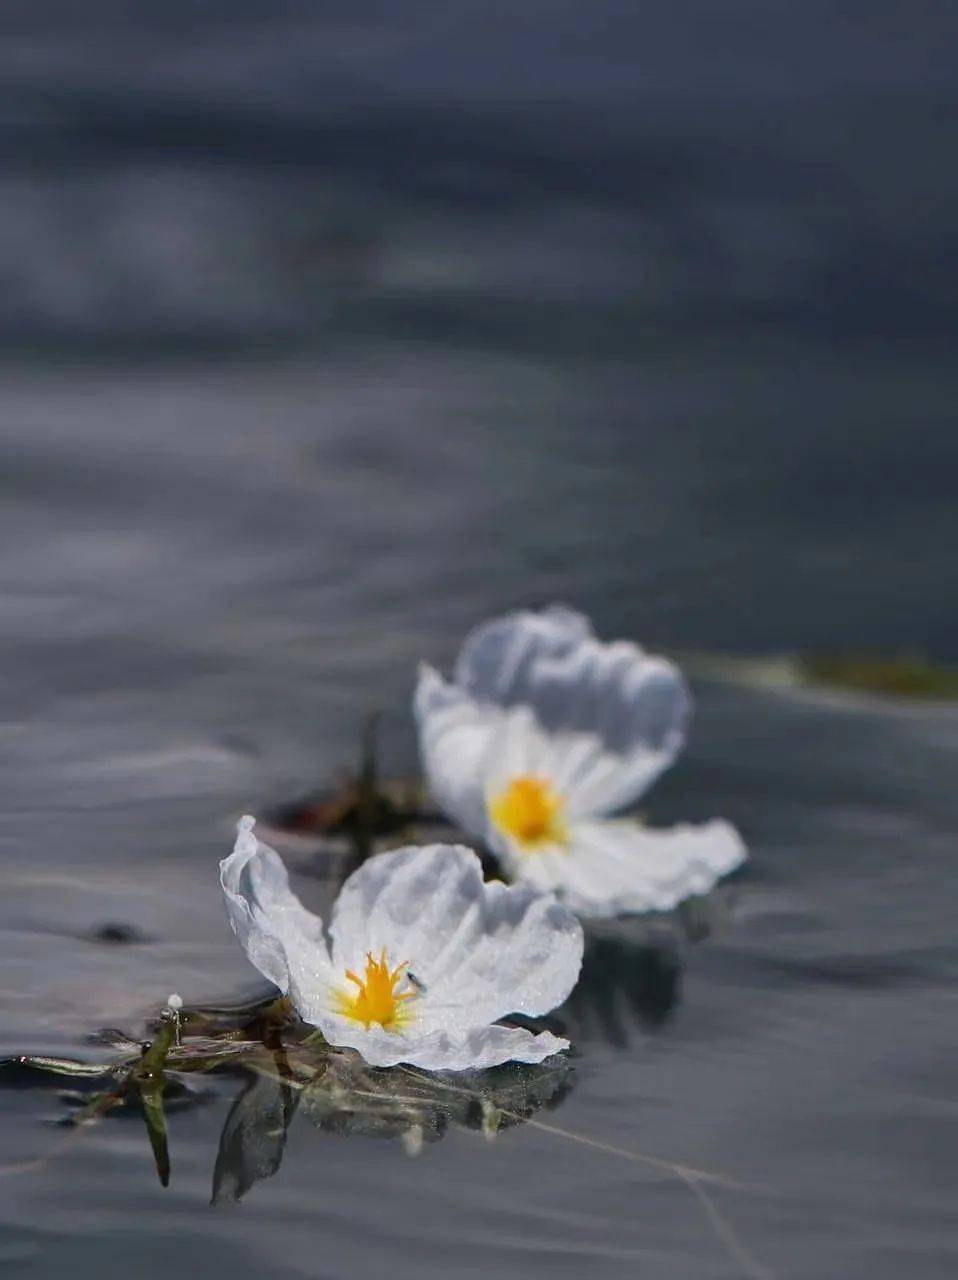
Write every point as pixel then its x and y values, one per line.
pixel 376 998
pixel 530 812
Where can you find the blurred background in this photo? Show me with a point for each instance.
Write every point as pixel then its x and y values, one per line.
pixel 651 306
pixel 328 330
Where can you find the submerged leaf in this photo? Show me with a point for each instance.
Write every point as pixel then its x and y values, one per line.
pixel 253 1140
pixel 151 1095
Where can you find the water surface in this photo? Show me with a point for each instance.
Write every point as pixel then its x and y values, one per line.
pixel 660 336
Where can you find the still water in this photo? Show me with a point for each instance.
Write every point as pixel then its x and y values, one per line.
pixel 669 347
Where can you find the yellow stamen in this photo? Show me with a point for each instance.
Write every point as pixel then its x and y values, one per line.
pixel 530 812
pixel 377 999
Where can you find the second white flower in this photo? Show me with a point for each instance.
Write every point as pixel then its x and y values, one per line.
pixel 542 736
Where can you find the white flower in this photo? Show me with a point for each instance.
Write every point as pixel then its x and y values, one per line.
pixel 424 959
pixel 543 733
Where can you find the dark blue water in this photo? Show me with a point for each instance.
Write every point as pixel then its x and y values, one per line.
pixel 327 334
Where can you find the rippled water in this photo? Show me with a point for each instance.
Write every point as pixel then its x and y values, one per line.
pixel 691 380
pixel 199 612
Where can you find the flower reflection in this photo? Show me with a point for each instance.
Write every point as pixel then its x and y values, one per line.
pixel 631 977
pixel 625 982
pixel 343 1095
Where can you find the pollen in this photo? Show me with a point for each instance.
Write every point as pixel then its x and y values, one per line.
pixel 529 811
pixel 376 998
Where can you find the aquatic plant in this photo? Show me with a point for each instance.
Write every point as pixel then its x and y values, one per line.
pixel 543 735
pixel 286 1069
pixel 425 958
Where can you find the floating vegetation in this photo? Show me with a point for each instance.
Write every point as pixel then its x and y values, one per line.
pixel 356 809
pixel 287 1068
pixel 907 676
pixel 362 811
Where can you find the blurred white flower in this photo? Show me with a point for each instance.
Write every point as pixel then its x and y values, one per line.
pixel 424 956
pixel 543 733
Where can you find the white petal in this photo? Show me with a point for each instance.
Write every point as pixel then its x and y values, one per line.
pixel 280 937
pixel 406 901
pixel 444 1050
pixel 494 659
pixel 477 951
pixel 544 869
pixel 615 867
pixel 527 961
pixel 617 715
pixel 471 751
pixel 455 736
pixel 519 748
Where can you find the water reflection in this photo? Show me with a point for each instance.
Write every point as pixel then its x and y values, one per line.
pixel 625 982
pixel 287 1071
pixel 341 1095
pixel 632 970
pixel 253 1140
